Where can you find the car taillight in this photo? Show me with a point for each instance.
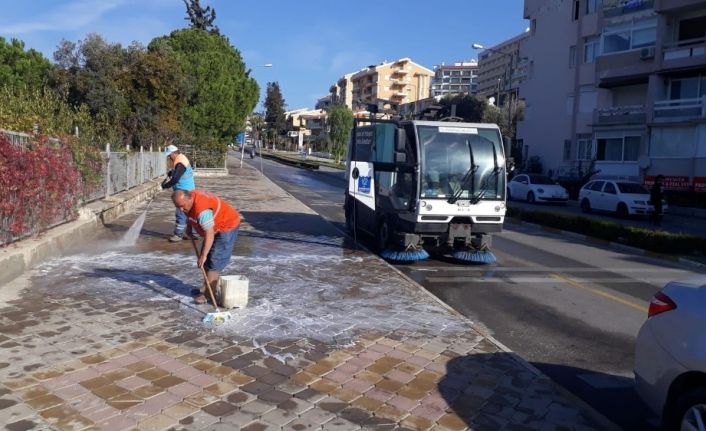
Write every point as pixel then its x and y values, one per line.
pixel 659 304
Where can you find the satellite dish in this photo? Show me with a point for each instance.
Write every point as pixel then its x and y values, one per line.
pixel 644 162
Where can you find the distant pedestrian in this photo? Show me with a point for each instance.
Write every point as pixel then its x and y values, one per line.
pixel 656 197
pixel 218 223
pixel 180 177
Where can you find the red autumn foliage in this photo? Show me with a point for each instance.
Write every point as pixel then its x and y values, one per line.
pixel 41 186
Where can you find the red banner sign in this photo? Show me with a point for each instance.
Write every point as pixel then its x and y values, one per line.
pixel 700 184
pixel 670 182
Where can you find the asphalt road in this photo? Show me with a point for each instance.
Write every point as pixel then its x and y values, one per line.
pixel 572 309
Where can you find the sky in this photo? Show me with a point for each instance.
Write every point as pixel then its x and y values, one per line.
pixel 311 43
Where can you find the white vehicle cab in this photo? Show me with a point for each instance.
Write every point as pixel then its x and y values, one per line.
pixel 434 185
pixel 536 188
pixel 621 197
pixel 670 355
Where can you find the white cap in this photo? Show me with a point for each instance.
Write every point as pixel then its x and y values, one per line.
pixel 170 149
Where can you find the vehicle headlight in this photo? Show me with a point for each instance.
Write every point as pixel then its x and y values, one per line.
pixel 429 207
pixel 423 204
pixel 540 191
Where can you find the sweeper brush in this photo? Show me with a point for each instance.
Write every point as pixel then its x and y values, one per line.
pixel 411 254
pixel 475 256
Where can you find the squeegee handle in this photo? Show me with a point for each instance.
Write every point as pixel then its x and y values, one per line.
pixel 205 277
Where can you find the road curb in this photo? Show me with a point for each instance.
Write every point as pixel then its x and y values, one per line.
pixel 594 414
pixel 617 246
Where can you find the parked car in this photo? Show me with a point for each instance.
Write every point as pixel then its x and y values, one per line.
pixel 536 188
pixel 670 355
pixel 621 197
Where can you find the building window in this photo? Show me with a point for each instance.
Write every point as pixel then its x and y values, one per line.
pixel 572 56
pixel 686 88
pixel 592 6
pixel 584 148
pixel 673 142
pixel 588 98
pixel 591 49
pixel 575 10
pixel 626 37
pixel 618 149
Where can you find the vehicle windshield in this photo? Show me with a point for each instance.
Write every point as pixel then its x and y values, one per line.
pixel 446 162
pixel 632 188
pixel 541 179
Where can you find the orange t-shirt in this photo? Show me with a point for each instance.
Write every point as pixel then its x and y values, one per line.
pixel 225 217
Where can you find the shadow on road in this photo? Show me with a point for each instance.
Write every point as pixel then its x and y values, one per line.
pixel 488 390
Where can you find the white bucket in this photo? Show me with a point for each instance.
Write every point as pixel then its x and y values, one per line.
pixel 234 291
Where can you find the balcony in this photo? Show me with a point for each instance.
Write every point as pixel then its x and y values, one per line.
pixel 613 8
pixel 665 6
pixel 632 114
pixel 679 110
pixel 684 54
pixel 401 71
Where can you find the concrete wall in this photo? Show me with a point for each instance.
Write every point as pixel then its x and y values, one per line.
pixel 23 255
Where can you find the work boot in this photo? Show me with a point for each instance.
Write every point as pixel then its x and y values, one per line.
pixel 175 238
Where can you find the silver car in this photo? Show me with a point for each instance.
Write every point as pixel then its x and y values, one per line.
pixel 670 355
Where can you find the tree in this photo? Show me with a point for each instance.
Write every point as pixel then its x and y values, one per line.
pixel 222 94
pixel 155 90
pixel 86 73
pixel 469 108
pixel 200 18
pixel 274 110
pixel 257 125
pixel 340 123
pixel 22 68
pixel 495 115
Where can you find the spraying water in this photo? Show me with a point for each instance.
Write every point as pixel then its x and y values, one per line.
pixel 130 237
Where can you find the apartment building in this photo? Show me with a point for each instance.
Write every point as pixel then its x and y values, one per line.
pixel 501 69
pixel 344 90
pixel 456 78
pixel 396 82
pixel 306 126
pixel 620 85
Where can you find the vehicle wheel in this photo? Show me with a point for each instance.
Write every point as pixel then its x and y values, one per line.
pixel 585 206
pixel 383 235
pixel 691 410
pixel 622 210
pixel 530 197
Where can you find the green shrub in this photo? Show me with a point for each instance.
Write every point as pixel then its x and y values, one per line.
pixel 656 241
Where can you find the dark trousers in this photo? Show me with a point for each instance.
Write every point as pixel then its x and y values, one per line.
pixel 656 216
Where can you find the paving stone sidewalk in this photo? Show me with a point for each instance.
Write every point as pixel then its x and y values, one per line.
pixel 332 339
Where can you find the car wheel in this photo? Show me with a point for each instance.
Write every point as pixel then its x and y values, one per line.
pixel 585 205
pixel 622 210
pixel 383 235
pixel 530 197
pixel 691 410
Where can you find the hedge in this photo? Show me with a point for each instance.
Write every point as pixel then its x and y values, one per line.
pixel 656 241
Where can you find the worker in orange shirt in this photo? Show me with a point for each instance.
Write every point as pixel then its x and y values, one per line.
pixel 218 223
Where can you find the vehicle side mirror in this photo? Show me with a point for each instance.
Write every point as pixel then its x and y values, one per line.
pixel 401 139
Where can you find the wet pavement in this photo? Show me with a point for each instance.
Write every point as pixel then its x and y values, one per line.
pixel 332 338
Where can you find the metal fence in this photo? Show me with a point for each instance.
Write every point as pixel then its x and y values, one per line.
pixel 125 170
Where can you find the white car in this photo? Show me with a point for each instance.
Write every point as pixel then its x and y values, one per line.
pixel 670 355
pixel 621 197
pixel 536 188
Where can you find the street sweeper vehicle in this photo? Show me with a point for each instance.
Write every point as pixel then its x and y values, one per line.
pixel 421 187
